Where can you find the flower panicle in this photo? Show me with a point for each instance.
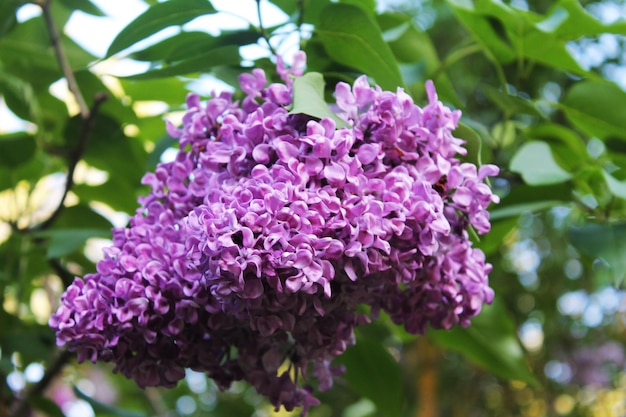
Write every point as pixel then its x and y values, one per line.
pixel 257 244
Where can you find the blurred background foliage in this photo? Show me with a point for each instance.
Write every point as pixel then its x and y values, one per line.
pixel 541 86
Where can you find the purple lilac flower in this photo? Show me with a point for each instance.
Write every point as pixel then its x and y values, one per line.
pixel 255 247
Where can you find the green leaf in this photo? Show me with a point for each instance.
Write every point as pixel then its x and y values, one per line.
pixel 618 188
pixel 535 163
pixel 352 38
pixel 81 216
pixel 189 44
pixel 169 90
pixel 510 104
pixel 47 406
pixel 16 149
pixel 34 342
pixel 109 149
pixel 84 6
pixel 598 108
pixel 62 242
pixel 8 20
pixel 20 97
pixel 473 143
pixel 605 241
pixel 372 372
pixel 102 408
pixel 490 342
pixel 164 143
pixel 567 148
pixel 490 36
pixel 308 98
pixel 157 17
pixel 517 209
pixel 568 19
pixel 225 55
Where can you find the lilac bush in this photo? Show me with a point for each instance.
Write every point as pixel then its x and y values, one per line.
pixel 256 247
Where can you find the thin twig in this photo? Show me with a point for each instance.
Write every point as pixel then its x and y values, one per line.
pixel 75 157
pixel 262 28
pixel 62 58
pixel 21 408
pixel 66 276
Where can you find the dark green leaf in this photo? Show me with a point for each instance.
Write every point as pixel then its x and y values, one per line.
pixel 605 241
pixel 308 98
pixel 189 44
pixel 91 86
pixel 102 408
pixel 509 103
pixel 491 342
pixel 47 406
pixel 20 97
pixel 517 209
pixel 352 38
pixel 16 149
pixel 491 242
pixel 372 372
pixel 34 342
pixel 473 143
pixel 157 17
pixel 109 149
pixel 118 193
pixel 81 216
pixel 482 30
pixel 535 163
pixel 65 241
pixel 8 9
pixel 162 145
pixel 598 108
pixel 225 55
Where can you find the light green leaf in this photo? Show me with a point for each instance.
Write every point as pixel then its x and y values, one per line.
pixel 567 148
pixel 352 38
pixel 618 188
pixel 598 108
pixel 225 55
pixel 490 342
pixel 157 17
pixel 308 98
pixel 535 163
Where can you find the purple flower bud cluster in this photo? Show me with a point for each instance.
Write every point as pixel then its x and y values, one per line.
pixel 256 247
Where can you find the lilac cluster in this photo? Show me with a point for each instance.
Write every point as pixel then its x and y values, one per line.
pixel 251 255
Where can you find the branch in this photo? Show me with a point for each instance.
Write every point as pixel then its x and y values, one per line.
pixel 262 28
pixel 62 58
pixel 21 408
pixel 75 157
